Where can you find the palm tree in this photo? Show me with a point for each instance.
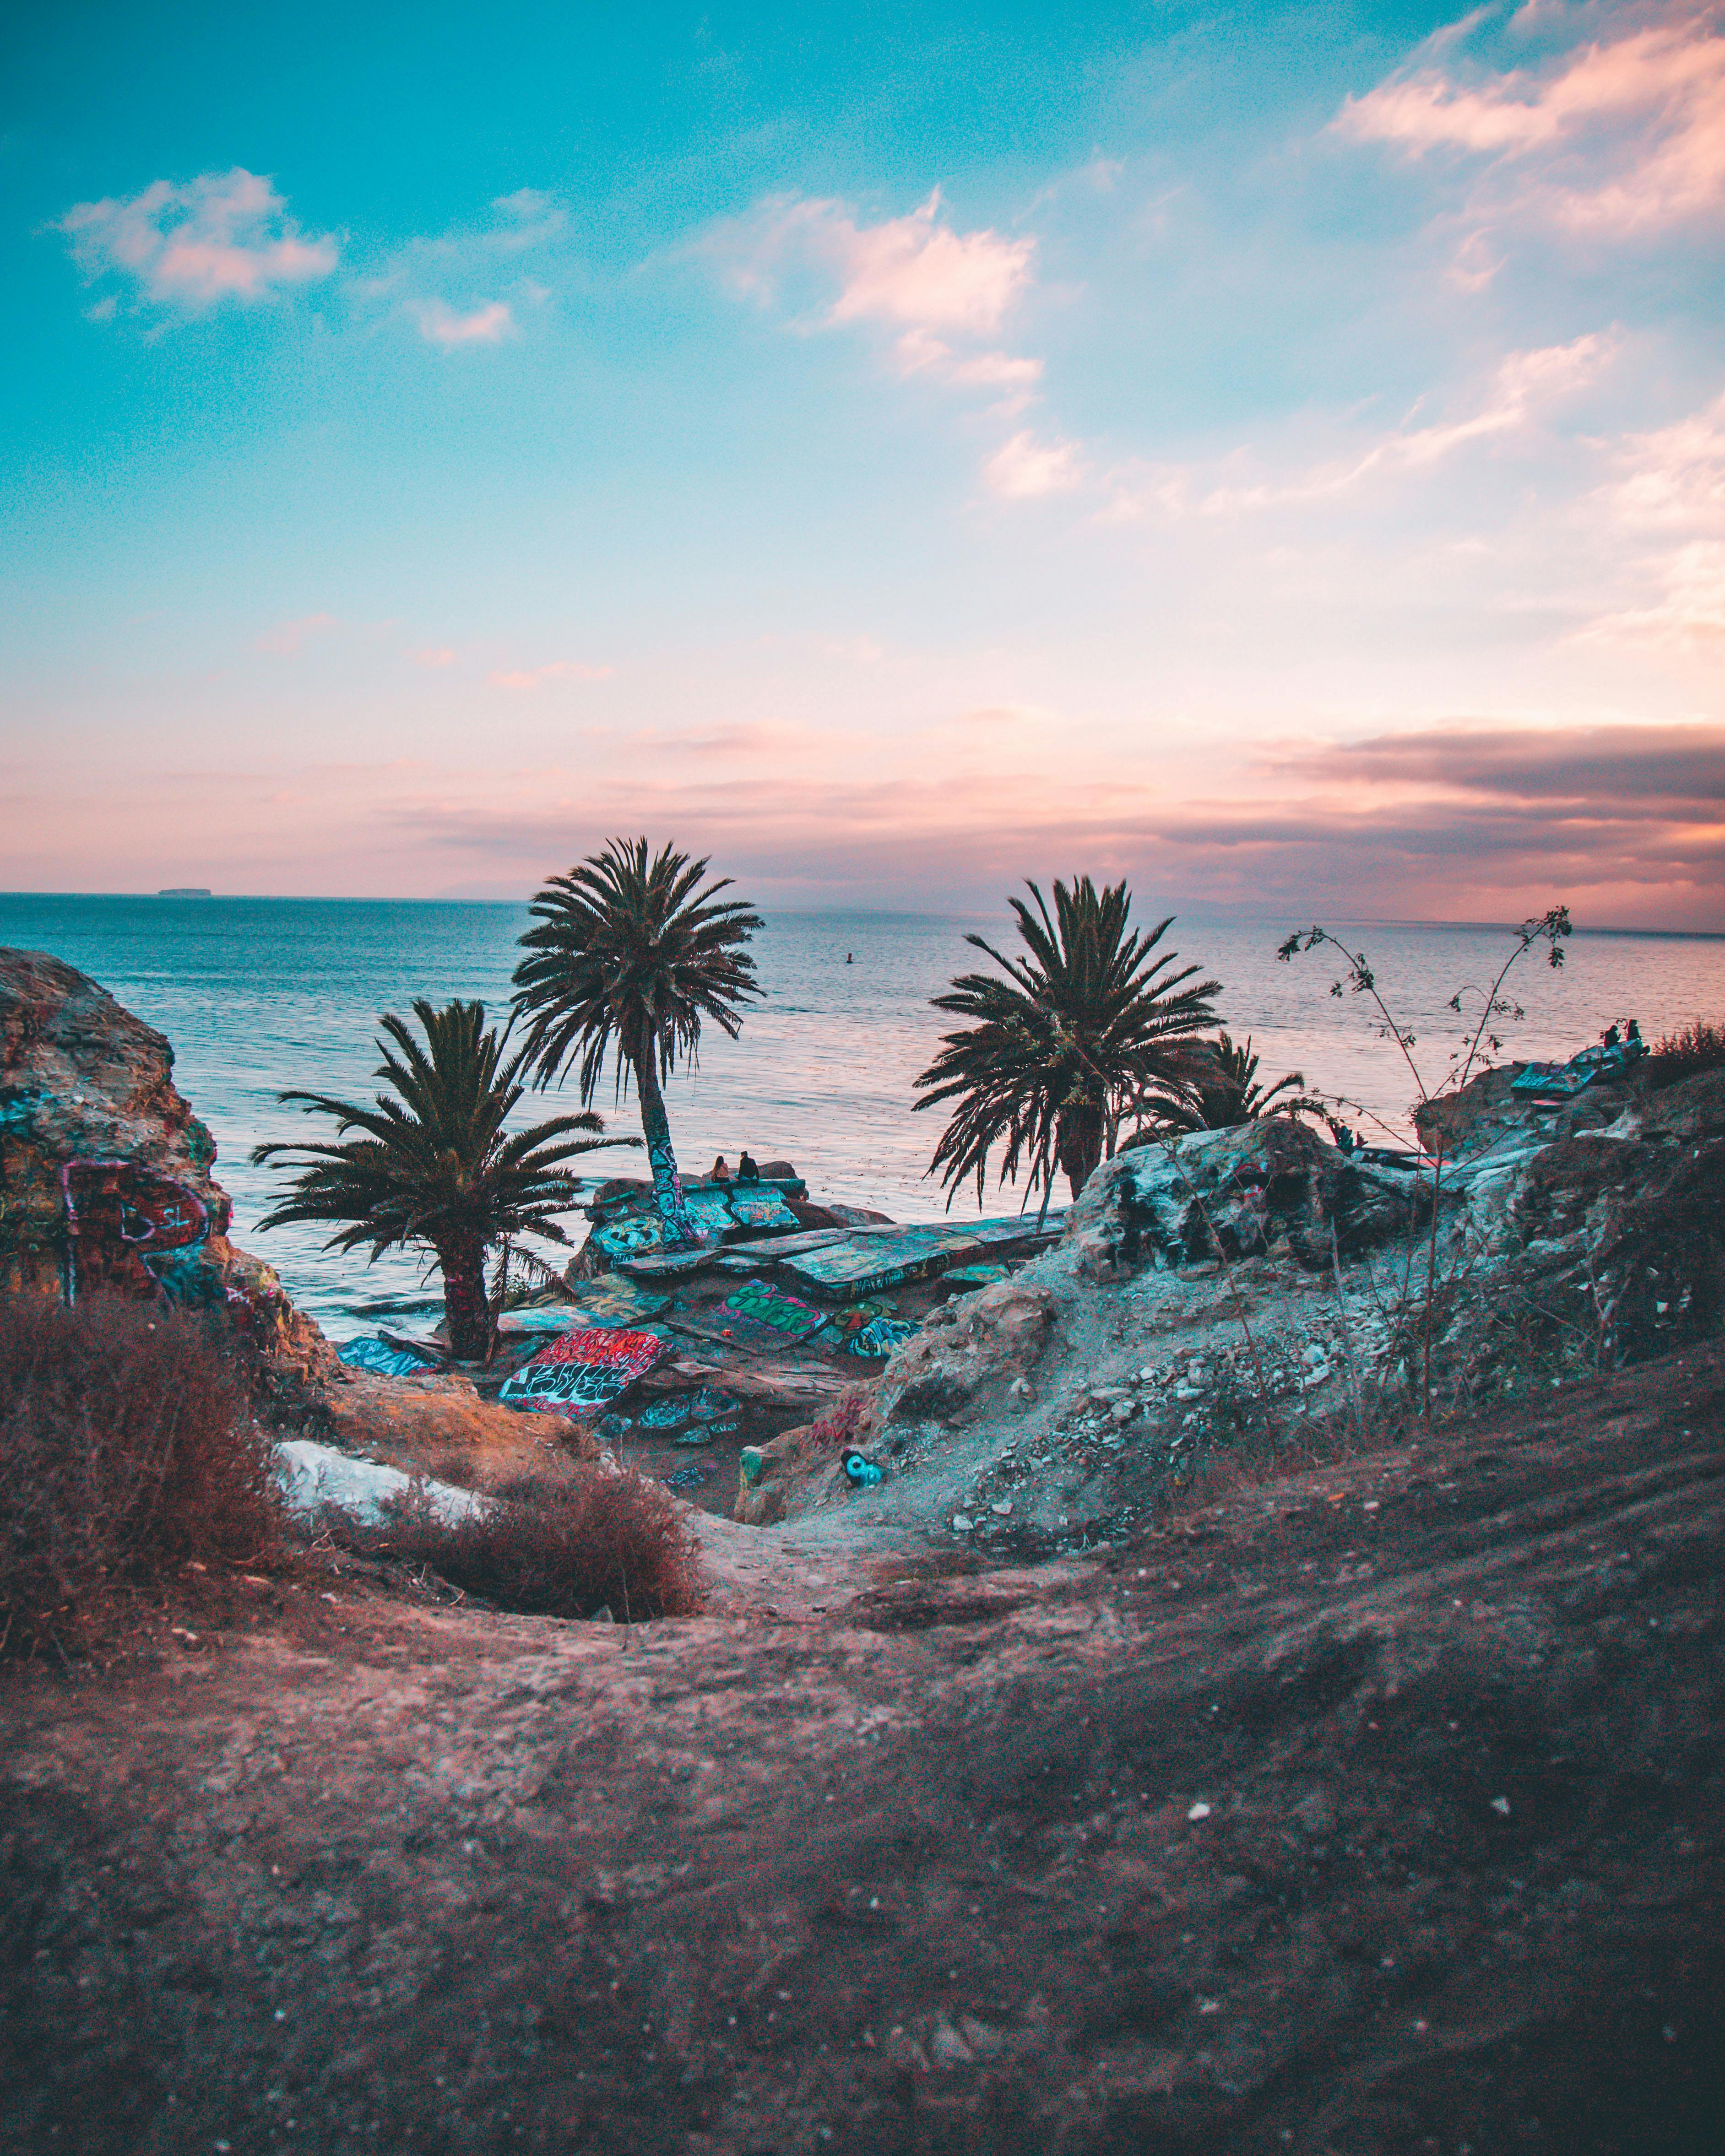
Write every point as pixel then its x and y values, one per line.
pixel 1218 1089
pixel 1062 1045
pixel 629 956
pixel 433 1167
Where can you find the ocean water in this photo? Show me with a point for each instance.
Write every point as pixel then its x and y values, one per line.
pixel 261 995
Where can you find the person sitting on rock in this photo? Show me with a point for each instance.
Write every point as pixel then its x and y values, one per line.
pixel 747 1171
pixel 721 1171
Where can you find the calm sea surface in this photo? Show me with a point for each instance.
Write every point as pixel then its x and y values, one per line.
pixel 261 994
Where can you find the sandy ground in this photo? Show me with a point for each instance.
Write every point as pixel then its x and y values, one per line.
pixel 1377 1809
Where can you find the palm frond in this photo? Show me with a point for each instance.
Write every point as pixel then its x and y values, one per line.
pixel 1062 1037
pixel 429 1161
pixel 633 952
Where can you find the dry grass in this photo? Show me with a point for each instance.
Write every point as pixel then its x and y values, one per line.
pixel 565 1548
pixel 127 1447
pixel 1693 1049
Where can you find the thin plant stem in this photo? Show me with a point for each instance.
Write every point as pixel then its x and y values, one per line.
pixel 1233 1284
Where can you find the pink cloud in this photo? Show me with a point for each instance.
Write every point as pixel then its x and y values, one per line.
pixel 1522 391
pixel 1023 469
pixel 439 655
pixel 559 670
pixel 912 274
pixel 224 235
pixel 1692 610
pixel 440 324
pixel 288 636
pixel 1617 136
pixel 1675 475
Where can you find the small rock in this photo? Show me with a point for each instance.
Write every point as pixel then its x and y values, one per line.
pixel 1501 1806
pixel 962 1523
pixel 1124 1410
pixel 1313 1355
pixel 979 2035
pixel 948 2046
pixel 1004 1507
pixel 1202 1811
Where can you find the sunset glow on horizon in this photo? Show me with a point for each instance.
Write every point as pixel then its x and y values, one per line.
pixel 1275 454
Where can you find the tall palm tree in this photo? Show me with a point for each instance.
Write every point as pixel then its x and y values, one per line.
pixel 433 1166
pixel 631 953
pixel 1219 1089
pixel 1061 1045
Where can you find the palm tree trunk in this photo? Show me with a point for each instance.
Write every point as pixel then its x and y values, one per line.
pixel 667 1184
pixel 466 1310
pixel 1078 1145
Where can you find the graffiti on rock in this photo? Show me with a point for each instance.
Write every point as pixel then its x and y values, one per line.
pixel 131 1228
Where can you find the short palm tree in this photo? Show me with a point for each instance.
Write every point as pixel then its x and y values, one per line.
pixel 630 954
pixel 433 1166
pixel 1218 1089
pixel 1075 1031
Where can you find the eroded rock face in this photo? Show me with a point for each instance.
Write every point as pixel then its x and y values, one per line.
pixel 105 1171
pixel 1240 1192
pixel 975 1357
pixel 438 1425
pixel 1620 1238
pixel 797 1472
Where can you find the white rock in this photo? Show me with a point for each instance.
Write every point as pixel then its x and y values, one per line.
pixel 1312 1353
pixel 1004 1507
pixel 314 1474
pixel 962 1523
pixel 1199 1810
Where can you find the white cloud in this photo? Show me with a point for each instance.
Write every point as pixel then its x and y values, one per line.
pixel 559 670
pixel 1022 468
pixel 224 235
pixel 436 655
pixel 1616 136
pixel 439 324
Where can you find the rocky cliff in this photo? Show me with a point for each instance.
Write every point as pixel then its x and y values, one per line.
pixel 1258 1285
pixel 106 1181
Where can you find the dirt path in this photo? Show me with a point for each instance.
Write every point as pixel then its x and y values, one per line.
pixel 1378 1811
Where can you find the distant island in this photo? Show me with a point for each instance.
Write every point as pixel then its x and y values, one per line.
pixel 185 890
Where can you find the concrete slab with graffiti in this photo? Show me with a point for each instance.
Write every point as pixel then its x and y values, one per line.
pixel 614 1299
pixel 582 1372
pixel 757 1209
pixel 696 1418
pixel 759 1318
pixel 875 1258
pixel 881 1336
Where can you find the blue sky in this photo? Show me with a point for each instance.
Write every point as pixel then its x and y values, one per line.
pixel 1276 454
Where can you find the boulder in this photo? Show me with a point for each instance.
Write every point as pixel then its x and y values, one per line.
pixel 1618 1237
pixel 105 1171
pixel 1239 1192
pixel 974 1358
pixel 438 1425
pixel 312 1475
pixel 796 1471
